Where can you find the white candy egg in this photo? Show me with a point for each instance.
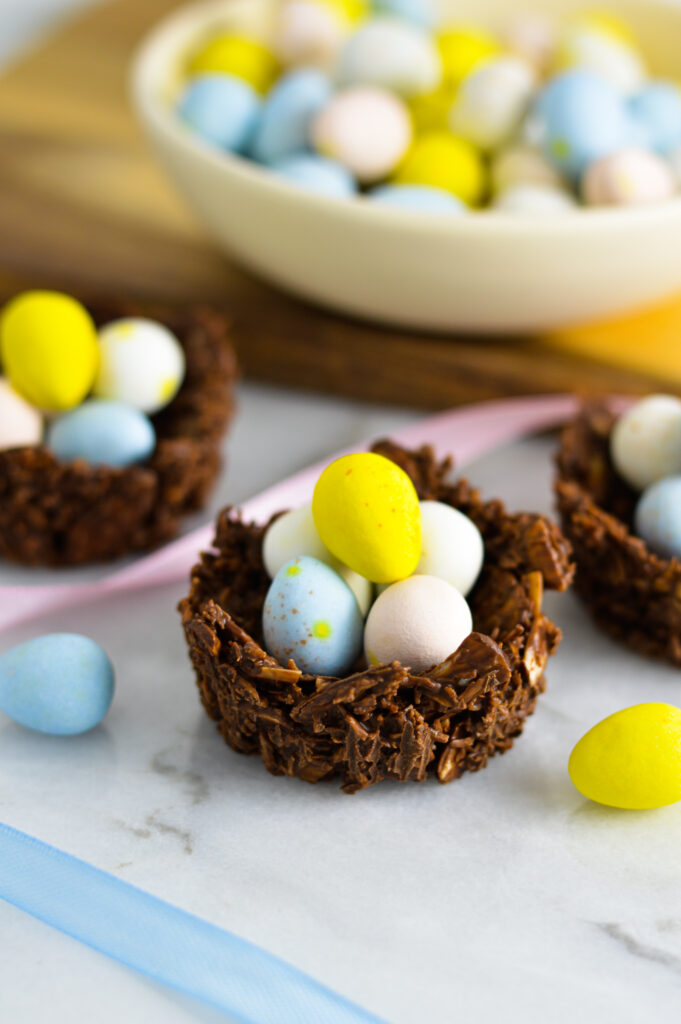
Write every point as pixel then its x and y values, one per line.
pixel 389 52
pixel 141 363
pixel 492 101
pixel 628 178
pixel 308 33
pixel 21 424
pixel 534 201
pixel 452 547
pixel 366 129
pixel 521 164
pixel 601 52
pixel 419 622
pixel 645 444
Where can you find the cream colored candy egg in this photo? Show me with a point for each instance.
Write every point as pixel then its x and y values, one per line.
pixel 391 53
pixel 492 101
pixel 675 164
pixel 419 622
pixel 534 200
pixel 451 546
pixel 533 37
pixel 141 363
pixel 628 178
pixel 605 54
pixel 366 129
pixel 522 164
pixel 645 443
pixel 21 424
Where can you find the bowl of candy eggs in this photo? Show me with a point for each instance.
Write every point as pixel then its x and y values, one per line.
pixel 431 164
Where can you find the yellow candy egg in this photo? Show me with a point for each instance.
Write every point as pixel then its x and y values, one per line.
pixel 608 24
pixel 463 49
pixel 430 112
pixel 367 513
pixel 631 759
pixel 236 55
pixel 444 161
pixel 48 345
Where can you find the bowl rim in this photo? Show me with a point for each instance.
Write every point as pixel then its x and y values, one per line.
pixel 161 47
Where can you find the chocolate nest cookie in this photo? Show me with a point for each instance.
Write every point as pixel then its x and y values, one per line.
pixel 632 593
pixel 57 514
pixel 383 722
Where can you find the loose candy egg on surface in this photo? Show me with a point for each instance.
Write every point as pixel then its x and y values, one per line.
pixel 657 518
pixel 627 178
pixel 657 108
pixel 452 547
pixel 61 684
pixel 631 759
pixel 103 433
pixel 389 53
pixel 645 443
pixel 240 56
pixel 419 622
pixel 521 164
pixel 20 423
pixel 367 513
pixel 288 113
pixel 420 198
pixel 491 101
pixel 444 161
pixel 48 348
pixel 221 109
pixel 462 49
pixel 366 129
pixel 141 364
pixel 311 616
pixel 602 53
pixel 534 200
pixel 316 174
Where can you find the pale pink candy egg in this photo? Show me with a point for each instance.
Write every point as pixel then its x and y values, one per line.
pixel 533 37
pixel 366 129
pixel 630 177
pixel 307 32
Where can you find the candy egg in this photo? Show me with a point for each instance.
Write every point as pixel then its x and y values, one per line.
pixel 522 164
pixel 420 12
pixel 311 616
pixel 221 109
pixel 316 174
pixel 368 130
pixel 287 115
pixel 20 423
pixel 61 684
pixel 532 37
pixel 631 759
pixel 443 161
pixel 141 364
pixel 430 112
pixel 534 200
pixel 48 345
pixel 310 32
pixel 102 433
pixel 675 164
pixel 367 513
pixel 239 56
pixel 603 54
pixel 645 443
pixel 657 108
pixel 657 518
pixel 451 546
pixel 491 101
pixel 419 622
pixel 392 54
pixel 462 49
pixel 421 198
pixel 629 177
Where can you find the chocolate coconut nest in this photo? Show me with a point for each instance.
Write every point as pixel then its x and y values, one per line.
pixel 56 513
pixel 632 593
pixel 383 722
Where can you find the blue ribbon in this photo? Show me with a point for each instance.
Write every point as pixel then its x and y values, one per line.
pixel 162 941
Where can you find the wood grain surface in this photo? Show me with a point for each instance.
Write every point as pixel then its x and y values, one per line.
pixel 83 206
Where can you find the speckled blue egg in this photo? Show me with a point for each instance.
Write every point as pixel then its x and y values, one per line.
pixel 657 109
pixel 311 616
pixel 61 684
pixel 104 433
pixel 582 119
pixel 316 174
pixel 291 106
pixel 419 12
pixel 422 198
pixel 222 109
pixel 657 518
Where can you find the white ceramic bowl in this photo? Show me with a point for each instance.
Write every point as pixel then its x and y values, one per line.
pixel 484 272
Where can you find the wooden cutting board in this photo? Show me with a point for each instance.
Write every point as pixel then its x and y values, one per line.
pixel 83 206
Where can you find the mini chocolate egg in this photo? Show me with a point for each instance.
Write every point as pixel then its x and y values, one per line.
pixel 366 510
pixel 645 443
pixel 452 547
pixel 420 198
pixel 288 113
pixel 627 178
pixel 657 108
pixel 462 48
pixel 309 32
pixel 221 109
pixel 61 684
pixel 103 433
pixel 534 200
pixel 366 129
pixel 316 174
pixel 236 55
pixel 522 164
pixel 48 347
pixel 419 622
pixel 141 363
pixel 311 616
pixel 420 12
pixel 443 161
pixel 613 60
pixel 491 101
pixel 631 759
pixel 389 53
pixel 21 424
pixel 657 518
pixel 533 37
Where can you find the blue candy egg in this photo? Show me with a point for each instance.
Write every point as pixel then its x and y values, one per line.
pixel 657 109
pixel 222 109
pixel 312 616
pixel 104 433
pixel 316 174
pixel 284 125
pixel 657 518
pixel 422 198
pixel 61 684
pixel 582 119
pixel 418 12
